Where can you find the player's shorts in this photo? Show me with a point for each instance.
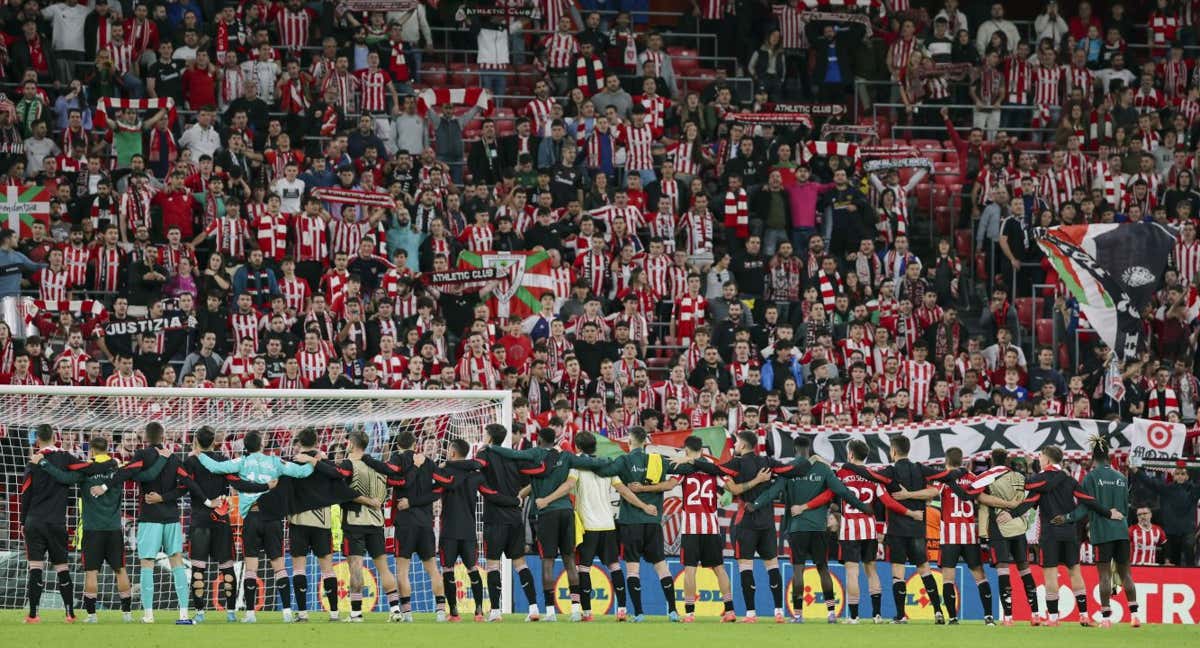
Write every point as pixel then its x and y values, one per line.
pixel 153 537
pixel 598 544
pixel 455 549
pixel 969 553
pixel 415 540
pixel 809 545
pixel 748 542
pixel 640 541
pixel 702 549
pixel 858 551
pixel 211 543
pixel 1116 551
pixel 262 536
pixel 103 546
pixel 315 539
pixel 903 549
pixel 1014 550
pixel 556 533
pixel 42 539
pixel 501 540
pixel 1059 552
pixel 361 540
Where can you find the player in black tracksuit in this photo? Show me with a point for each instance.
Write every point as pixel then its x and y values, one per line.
pixel 43 502
pixel 459 488
pixel 1055 493
pixel 907 482
pixel 503 518
pixel 413 480
pixel 754 530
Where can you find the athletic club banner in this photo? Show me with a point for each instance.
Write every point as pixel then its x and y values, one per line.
pixel 978 436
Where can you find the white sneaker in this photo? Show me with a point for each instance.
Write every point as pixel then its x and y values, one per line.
pixel 354 619
pixel 287 616
pixel 302 617
pixel 576 616
pixel 127 617
pixel 551 616
pixel 249 617
pixel 408 618
pixel 441 616
pixel 333 617
pixel 91 618
pixel 148 618
pixel 494 616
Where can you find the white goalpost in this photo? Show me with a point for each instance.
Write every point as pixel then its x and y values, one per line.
pixel 434 417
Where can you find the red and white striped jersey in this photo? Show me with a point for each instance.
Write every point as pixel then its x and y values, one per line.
pixel 1175 77
pixel 1148 100
pixel 701 493
pixel 312 365
pixel 638 141
pixel 76 261
pixel 901 51
pixel 658 274
pixel 294 28
pixel 857 525
pixel 345 236
pixel 243 326
pixel 1187 260
pixel 683 392
pixel 1058 185
pixel 791 27
pixel 123 56
pixel 919 376
pixel 1144 543
pixel 697 231
pixel 311 239
pixel 477 238
pixel 561 50
pixel 1082 78
pixel 1047 85
pixel 229 236
pixel 106 264
pixel 344 88
pixel 538 111
pixel 1019 77
pixel 632 215
pixel 77 358
pixel 681 154
pixel 373 85
pixel 271 231
pixel 295 293
pixel 52 285
pixel 958 525
pixel 712 9
pixel 656 111
pixel 472 368
pixel 391 368
pixel 238 366
pixel 562 276
pixel 690 313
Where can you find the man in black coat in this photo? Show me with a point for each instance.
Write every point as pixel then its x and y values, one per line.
pixel 484 160
pixel 831 44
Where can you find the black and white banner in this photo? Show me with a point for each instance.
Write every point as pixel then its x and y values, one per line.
pixel 152 325
pixel 977 437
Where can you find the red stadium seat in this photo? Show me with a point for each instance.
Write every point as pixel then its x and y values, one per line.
pixel 1043 330
pixel 435 78
pixel 924 196
pixel 946 173
pixel 981 271
pixel 962 243
pixel 931 149
pixel 1025 311
pixel 943 222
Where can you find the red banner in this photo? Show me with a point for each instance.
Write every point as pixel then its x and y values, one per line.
pixel 1164 594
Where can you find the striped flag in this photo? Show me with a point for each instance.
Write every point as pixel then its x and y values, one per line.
pixel 526 278
pixel 434 97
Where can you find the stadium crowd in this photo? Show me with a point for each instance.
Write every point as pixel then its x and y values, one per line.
pixel 281 179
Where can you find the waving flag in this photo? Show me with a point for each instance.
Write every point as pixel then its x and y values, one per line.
pixel 1113 271
pixel 21 207
pixel 669 443
pixel 526 277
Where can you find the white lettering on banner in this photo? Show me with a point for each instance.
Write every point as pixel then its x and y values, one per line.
pixel 1177 602
pixel 978 436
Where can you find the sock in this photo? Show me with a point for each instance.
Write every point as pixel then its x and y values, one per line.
pixel 493 580
pixel 229 589
pixel 797 600
pixel 899 591
pixel 727 599
pixel 330 587
pixel 931 591
pixel 451 589
pixel 526 578
pixel 476 590
pixel 877 603
pixel 574 590
pixel 439 603
pixel 406 604
pixel 634 585
pixel 283 585
pixel 618 582
pixel 775 582
pixel 585 591
pixel 126 601
pixel 853 610
pixel 250 592
pixel 356 603
pixel 198 587
pixel 668 588
pixel 689 605
pixel 1005 582
pixel 393 599
pixel 1030 590
pixel 549 599
pixel 1052 607
pixel 951 603
pixel 830 600
pixel 1133 608
pixel 89 603
pixel 985 596
pixel 1106 612
pixel 180 576
pixel 66 589
pixel 1081 603
pixel 748 591
pixel 300 587
pixel 146 583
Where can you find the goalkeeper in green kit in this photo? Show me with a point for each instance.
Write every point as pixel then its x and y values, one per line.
pixel 1109 536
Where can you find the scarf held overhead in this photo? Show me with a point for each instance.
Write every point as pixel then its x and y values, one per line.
pixel 100 118
pixel 435 97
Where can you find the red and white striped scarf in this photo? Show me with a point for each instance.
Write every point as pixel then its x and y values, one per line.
pixel 842 149
pixel 737 213
pixel 100 117
pixel 1100 128
pixel 589 83
pixel 397 63
pixel 435 97
pixel 830 288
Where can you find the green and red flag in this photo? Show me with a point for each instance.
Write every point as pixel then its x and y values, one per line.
pixel 668 443
pixel 22 206
pixel 525 278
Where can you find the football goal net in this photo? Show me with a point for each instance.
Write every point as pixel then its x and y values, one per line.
pixel 434 417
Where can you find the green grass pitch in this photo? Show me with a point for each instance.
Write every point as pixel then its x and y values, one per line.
pixel 512 632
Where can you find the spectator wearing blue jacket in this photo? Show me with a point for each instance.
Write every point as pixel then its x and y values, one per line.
pixel 776 370
pixel 13 264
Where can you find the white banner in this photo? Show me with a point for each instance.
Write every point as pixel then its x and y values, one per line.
pixel 978 436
